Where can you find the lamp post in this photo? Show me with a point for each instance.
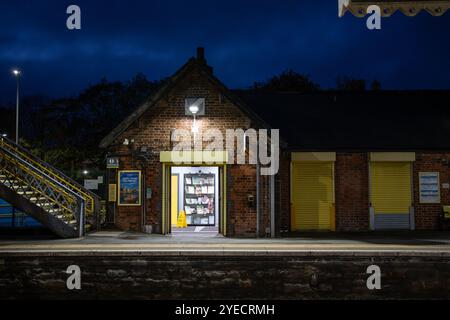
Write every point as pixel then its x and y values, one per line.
pixel 17 73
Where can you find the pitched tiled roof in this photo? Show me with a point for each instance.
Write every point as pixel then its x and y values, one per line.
pixel 193 63
pixel 372 120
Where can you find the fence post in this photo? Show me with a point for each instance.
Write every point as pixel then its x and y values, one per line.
pixel 80 209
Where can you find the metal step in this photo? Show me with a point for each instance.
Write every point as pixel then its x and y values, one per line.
pixel 36 199
pixel 53 211
pixel 46 206
pixel 26 192
pixel 15 186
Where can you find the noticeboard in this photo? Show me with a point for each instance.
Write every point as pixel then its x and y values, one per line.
pixel 429 191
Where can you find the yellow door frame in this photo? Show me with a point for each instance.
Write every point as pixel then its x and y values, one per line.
pixel 166 182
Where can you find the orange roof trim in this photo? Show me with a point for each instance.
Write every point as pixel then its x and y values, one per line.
pixel 388 7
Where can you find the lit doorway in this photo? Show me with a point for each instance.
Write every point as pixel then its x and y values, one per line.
pixel 194 200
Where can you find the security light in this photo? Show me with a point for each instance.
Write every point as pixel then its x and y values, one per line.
pixel 193 109
pixel 194 106
pixel 85 172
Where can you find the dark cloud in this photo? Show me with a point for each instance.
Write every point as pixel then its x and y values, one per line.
pixel 245 41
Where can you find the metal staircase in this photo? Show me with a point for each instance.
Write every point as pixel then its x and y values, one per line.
pixel 45 193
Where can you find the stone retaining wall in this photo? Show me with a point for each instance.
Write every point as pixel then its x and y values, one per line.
pixel 227 276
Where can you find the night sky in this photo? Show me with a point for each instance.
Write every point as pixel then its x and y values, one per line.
pixel 245 41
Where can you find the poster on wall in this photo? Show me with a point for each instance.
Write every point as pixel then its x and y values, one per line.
pixel 429 187
pixel 129 188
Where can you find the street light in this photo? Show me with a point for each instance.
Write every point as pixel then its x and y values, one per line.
pixel 17 73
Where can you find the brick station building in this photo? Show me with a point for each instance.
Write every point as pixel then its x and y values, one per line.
pixel 349 161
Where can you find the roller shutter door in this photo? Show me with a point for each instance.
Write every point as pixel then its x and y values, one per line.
pixel 391 194
pixel 312 196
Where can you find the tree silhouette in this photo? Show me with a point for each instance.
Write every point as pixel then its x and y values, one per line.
pixel 287 81
pixel 66 132
pixel 346 83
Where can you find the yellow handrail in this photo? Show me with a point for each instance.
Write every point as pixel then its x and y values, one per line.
pixel 67 196
pixel 89 199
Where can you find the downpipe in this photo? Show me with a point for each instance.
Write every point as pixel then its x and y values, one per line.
pixel 258 198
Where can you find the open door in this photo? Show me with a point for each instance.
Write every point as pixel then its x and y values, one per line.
pixel 172 193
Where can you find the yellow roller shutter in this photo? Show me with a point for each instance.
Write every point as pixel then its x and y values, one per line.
pixel 312 196
pixel 391 187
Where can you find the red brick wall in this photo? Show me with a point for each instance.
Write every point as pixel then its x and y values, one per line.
pixel 241 181
pixel 352 197
pixel 426 215
pixel 352 192
pixel 154 130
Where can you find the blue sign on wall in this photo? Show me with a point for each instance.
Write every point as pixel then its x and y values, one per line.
pixel 129 188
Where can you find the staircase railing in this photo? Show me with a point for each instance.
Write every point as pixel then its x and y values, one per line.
pixel 22 176
pixel 92 201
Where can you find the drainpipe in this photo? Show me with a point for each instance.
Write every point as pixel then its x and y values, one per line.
pixel 144 200
pixel 258 195
pixel 81 218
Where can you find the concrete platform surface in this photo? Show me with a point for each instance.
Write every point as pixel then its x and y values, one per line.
pixel 189 242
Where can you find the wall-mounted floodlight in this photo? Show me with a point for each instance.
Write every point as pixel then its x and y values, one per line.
pixel 194 105
pixel 193 109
